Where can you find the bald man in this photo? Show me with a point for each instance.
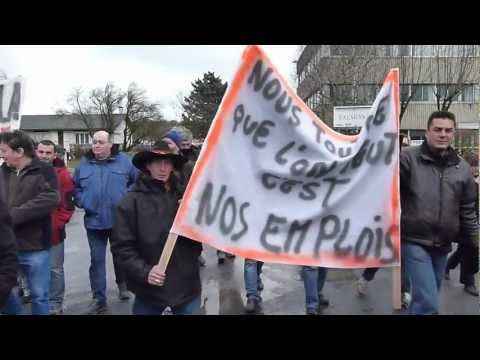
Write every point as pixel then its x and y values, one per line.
pixel 101 181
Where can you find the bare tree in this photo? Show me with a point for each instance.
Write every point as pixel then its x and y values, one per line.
pixel 108 107
pixel 353 75
pixel 108 102
pixel 412 72
pixel 149 131
pixel 178 104
pixel 100 103
pixel 293 73
pixel 336 75
pixel 454 67
pixel 139 112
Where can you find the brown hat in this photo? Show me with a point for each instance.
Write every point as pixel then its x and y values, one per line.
pixel 160 150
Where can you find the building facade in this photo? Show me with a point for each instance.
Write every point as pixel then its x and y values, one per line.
pixel 67 131
pixel 431 77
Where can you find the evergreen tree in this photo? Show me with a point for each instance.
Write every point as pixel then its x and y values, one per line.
pixel 200 107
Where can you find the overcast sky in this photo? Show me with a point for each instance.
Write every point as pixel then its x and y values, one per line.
pixel 52 72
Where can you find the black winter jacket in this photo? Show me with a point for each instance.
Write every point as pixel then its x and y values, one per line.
pixel 142 221
pixel 8 255
pixel 438 198
pixel 31 197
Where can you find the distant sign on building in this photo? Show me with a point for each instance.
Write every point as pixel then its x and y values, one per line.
pixel 416 142
pixel 11 100
pixel 350 116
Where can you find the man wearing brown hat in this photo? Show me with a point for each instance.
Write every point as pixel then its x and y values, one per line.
pixel 142 222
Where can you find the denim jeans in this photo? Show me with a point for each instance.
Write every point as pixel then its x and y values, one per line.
pixel 425 269
pixel 313 281
pixel 35 265
pixel 97 239
pixel 23 283
pixel 13 305
pixel 251 273
pixel 57 278
pixel 190 308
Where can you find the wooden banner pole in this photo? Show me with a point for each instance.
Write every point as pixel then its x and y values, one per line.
pixel 396 288
pixel 167 251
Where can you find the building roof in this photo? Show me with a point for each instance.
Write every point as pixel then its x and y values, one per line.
pixel 62 122
pixel 416 115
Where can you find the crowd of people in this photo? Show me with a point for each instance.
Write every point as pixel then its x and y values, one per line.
pixel 132 202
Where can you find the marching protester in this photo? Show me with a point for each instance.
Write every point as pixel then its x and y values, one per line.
pixel 29 188
pixel 187 150
pixel 466 255
pixel 368 274
pixel 8 260
pixel 252 270
pixel 101 181
pixel 142 223
pixel 313 281
pixel 23 290
pixel 437 193
pixel 60 217
pixel 179 139
pixel 172 138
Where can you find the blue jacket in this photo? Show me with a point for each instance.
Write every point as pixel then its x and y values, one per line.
pixel 99 187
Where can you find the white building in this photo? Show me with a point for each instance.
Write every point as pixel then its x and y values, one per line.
pixel 333 76
pixel 67 130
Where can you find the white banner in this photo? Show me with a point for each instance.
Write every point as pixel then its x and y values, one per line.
pixel 11 101
pixel 274 183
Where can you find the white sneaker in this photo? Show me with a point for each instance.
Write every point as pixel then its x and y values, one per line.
pixel 167 311
pixel 406 299
pixel 56 311
pixel 362 285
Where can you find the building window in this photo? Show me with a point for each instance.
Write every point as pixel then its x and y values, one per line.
pixel 315 102
pixel 388 50
pixel 442 91
pixel 422 93
pixel 403 50
pixel 366 94
pixel 82 138
pixel 342 94
pixel 423 50
pixel 341 50
pixel 467 94
pixel 476 93
pixel 404 91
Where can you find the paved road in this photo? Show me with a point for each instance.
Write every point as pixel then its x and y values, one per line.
pixel 224 293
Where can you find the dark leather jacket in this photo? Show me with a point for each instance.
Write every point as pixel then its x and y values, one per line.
pixel 141 225
pixel 8 255
pixel 31 197
pixel 438 197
